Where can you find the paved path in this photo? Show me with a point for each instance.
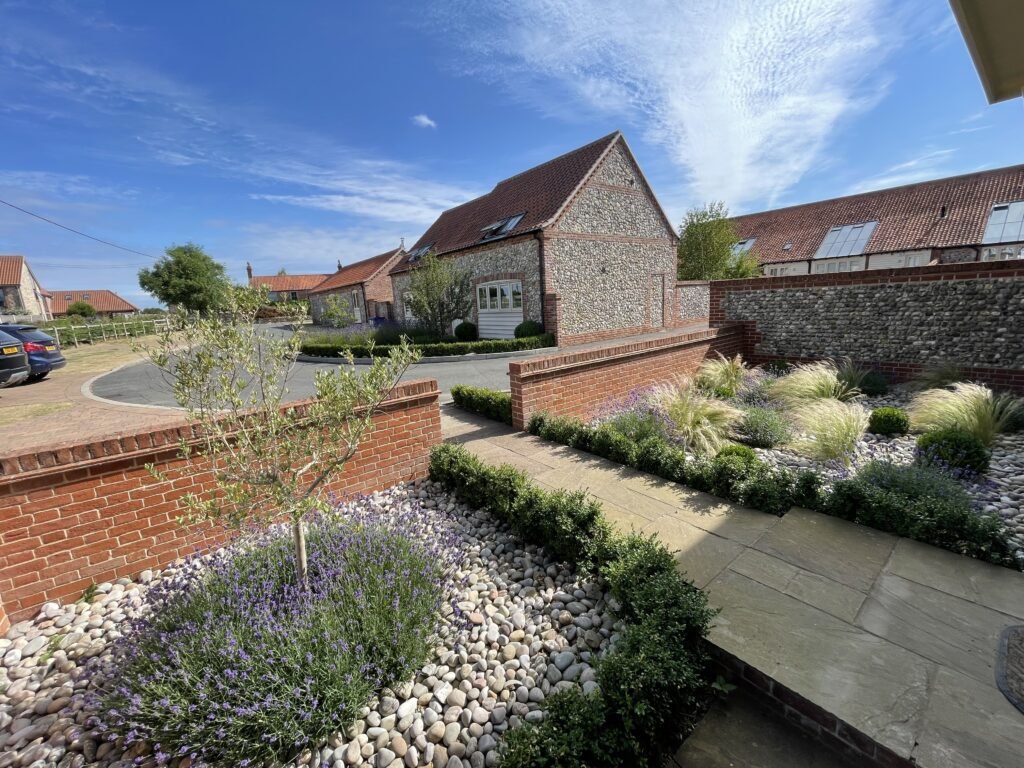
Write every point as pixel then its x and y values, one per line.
pixel 894 637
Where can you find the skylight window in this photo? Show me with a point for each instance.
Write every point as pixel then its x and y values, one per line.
pixel 848 240
pixel 743 246
pixel 1005 223
pixel 502 226
pixel 419 253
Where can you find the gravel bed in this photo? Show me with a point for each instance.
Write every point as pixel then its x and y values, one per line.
pixel 525 628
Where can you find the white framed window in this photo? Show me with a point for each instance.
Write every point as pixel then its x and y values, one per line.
pixel 848 240
pixel 504 296
pixel 406 309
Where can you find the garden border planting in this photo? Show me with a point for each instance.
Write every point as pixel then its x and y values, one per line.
pixel 319 349
pixel 487 402
pixel 89 512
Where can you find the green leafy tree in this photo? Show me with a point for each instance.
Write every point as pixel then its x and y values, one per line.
pixel 270 461
pixel 439 294
pixel 186 277
pixel 336 312
pixel 706 241
pixel 81 308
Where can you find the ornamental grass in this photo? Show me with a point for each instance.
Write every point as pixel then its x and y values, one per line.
pixel 237 664
pixel 973 408
pixel 723 376
pixel 829 429
pixel 815 381
pixel 700 424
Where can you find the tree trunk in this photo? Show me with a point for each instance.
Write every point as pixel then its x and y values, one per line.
pixel 299 533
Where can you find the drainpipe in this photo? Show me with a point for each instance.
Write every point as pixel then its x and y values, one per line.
pixel 539 237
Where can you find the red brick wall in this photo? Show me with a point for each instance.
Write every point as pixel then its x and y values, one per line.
pixel 578 383
pixel 92 512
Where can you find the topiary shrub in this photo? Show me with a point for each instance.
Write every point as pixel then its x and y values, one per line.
pixel 744 452
pixel 888 421
pixel 487 402
pixel 528 328
pixel 952 448
pixel 764 428
pixel 466 331
pixel 608 442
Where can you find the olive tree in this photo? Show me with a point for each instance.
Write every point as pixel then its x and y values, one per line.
pixel 271 460
pixel 439 294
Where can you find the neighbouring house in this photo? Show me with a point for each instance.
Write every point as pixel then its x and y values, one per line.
pixel 106 303
pixel 285 287
pixel 579 244
pixel 974 217
pixel 20 292
pixel 364 286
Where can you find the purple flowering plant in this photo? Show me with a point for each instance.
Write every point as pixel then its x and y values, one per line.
pixel 238 663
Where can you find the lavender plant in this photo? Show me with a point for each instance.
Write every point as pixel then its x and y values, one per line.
pixel 238 663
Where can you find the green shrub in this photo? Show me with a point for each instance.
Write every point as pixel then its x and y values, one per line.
pixel 727 472
pixel 829 429
pixel 721 377
pixel 744 452
pixel 538 421
pixel 938 376
pixel 777 367
pixel 337 346
pixel 659 457
pixel 632 561
pixel 487 402
pixel 919 503
pixel 874 384
pixel 700 424
pixel 699 473
pixel 888 421
pixel 466 331
pixel 528 329
pixel 608 442
pixel 954 449
pixel 764 428
pixel 766 488
pixel 567 431
pixel 807 490
pixel 813 381
pixel 570 736
pixel 970 407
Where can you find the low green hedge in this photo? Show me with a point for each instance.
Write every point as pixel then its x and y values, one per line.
pixel 487 402
pixel 321 348
pixel 654 684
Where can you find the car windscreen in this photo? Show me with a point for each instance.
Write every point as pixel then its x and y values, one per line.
pixel 34 334
pixel 6 339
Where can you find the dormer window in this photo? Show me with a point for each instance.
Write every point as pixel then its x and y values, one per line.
pixel 1005 223
pixel 501 227
pixel 738 249
pixel 418 253
pixel 848 240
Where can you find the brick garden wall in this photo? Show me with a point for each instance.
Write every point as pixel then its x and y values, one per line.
pixel 895 320
pixel 92 512
pixel 579 383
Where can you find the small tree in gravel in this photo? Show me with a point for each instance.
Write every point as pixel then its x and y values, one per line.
pixel 270 460
pixel 439 294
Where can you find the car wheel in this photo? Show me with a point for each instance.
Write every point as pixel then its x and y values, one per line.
pixel 36 377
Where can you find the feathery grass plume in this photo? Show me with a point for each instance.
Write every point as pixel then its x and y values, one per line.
pixel 701 424
pixel 971 407
pixel 723 376
pixel 938 376
pixel 813 381
pixel 829 429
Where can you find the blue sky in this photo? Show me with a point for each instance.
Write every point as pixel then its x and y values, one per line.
pixel 293 135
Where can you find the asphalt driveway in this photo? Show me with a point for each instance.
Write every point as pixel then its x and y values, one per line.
pixel 143 384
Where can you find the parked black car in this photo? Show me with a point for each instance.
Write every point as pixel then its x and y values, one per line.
pixel 42 349
pixel 14 367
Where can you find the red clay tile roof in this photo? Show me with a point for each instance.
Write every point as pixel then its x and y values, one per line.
pixel 356 273
pixel 285 283
pixel 908 217
pixel 10 269
pixel 539 193
pixel 101 301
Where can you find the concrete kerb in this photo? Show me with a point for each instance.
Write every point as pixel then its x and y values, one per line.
pixel 90 395
pixel 429 360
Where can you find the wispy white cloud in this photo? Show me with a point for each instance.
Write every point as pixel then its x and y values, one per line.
pixel 310 249
pixel 742 94
pixel 931 164
pixel 423 121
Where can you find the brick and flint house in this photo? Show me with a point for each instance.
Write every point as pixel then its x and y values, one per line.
pixel 285 287
pixel 974 217
pixel 579 244
pixel 106 303
pixel 364 287
pixel 20 292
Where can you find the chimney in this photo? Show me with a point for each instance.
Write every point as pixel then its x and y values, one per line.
pixel 339 265
pixel 401 244
pixel 248 269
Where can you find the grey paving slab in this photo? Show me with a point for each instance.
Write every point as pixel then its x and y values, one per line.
pixel 969 724
pixel 866 681
pixel 947 629
pixel 845 552
pixel 737 733
pixel 701 555
pixel 997 588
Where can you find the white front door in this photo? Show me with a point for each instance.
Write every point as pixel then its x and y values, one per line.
pixel 500 308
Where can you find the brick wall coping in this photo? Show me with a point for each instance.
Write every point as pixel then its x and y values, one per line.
pixel 971 270
pixel 31 465
pixel 685 283
pixel 543 365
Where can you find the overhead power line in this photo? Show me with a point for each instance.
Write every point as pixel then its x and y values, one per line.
pixel 71 229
